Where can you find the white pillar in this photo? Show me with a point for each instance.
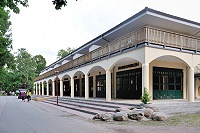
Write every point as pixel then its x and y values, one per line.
pixel 42 88
pixel 53 88
pixel 86 87
pixel 36 89
pixel 39 89
pixel 94 86
pixel 47 89
pixel 108 86
pixel 145 77
pixel 61 88
pixel 72 87
pixel 190 84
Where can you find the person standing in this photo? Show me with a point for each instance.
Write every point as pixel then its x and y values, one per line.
pixel 28 94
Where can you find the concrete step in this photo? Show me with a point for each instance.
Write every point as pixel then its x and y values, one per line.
pixel 76 108
pixel 89 106
pixel 99 101
pixel 83 105
pixel 87 102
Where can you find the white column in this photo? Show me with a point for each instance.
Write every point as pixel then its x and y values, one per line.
pixel 86 87
pixel 190 84
pixel 61 88
pixel 42 88
pixel 72 87
pixel 145 77
pixel 53 88
pixel 47 89
pixel 36 89
pixel 94 86
pixel 39 89
pixel 108 86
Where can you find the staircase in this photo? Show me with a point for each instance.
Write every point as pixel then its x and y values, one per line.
pixel 90 106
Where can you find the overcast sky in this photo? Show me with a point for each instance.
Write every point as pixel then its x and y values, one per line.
pixel 43 30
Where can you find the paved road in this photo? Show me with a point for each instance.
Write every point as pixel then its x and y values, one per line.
pixel 36 117
pixel 30 117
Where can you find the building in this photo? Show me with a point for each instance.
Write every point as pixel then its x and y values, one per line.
pixel 151 49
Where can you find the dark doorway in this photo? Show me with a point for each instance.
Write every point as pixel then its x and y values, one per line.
pixel 101 86
pixel 45 89
pixel 90 86
pixel 77 87
pixel 83 87
pixel 129 84
pixel 66 88
pixel 50 89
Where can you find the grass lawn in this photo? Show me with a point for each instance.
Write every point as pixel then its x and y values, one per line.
pixel 188 120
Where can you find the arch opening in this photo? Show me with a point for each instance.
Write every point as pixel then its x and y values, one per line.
pixel 126 76
pixel 168 77
pixel 97 82
pixel 66 85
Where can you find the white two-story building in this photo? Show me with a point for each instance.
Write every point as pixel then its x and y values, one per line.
pixel 151 49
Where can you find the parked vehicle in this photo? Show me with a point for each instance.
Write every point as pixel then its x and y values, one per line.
pixel 20 91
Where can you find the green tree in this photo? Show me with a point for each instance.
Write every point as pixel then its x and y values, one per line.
pixel 6 58
pixel 40 63
pixel 59 3
pixel 26 66
pixel 2 78
pixel 14 4
pixel 145 97
pixel 9 79
pixel 14 80
pixel 62 53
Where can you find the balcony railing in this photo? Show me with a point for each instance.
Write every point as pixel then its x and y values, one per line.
pixel 146 34
pixel 172 39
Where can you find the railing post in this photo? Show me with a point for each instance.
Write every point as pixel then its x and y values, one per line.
pixel 164 34
pixel 181 43
pixel 148 36
pixel 196 46
pixel 99 54
pixel 109 49
pixel 120 45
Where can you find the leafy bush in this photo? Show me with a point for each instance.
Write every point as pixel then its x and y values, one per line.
pixel 145 97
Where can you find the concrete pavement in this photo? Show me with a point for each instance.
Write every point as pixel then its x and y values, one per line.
pixel 39 117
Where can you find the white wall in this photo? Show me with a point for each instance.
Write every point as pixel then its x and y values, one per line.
pixel 144 55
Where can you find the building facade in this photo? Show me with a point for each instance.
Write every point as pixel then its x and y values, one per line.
pixel 150 49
